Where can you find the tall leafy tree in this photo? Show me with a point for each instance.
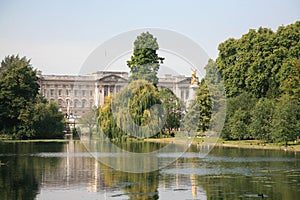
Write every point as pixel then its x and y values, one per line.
pixel 190 120
pixel 23 113
pixel 261 119
pixel 216 92
pixel 253 62
pixel 19 88
pixel 264 65
pixel 205 106
pixel 88 120
pixel 144 63
pixel 106 121
pixel 47 121
pixel 173 108
pixel 238 117
pixel 286 122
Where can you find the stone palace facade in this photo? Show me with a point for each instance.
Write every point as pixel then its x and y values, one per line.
pixel 76 95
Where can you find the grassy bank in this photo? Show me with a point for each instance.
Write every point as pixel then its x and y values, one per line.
pixel 28 141
pixel 250 144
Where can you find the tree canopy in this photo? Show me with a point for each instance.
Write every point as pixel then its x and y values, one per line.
pixel 260 61
pixel 173 107
pixel 23 113
pixel 144 63
pixel 261 73
pixel 134 111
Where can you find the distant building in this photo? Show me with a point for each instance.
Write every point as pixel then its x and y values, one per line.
pixel 76 95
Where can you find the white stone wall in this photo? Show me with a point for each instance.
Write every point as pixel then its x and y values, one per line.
pixel 76 95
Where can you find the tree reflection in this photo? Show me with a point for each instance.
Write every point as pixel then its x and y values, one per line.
pixel 135 185
pixel 21 176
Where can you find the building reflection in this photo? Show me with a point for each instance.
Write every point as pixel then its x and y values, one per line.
pixel 77 168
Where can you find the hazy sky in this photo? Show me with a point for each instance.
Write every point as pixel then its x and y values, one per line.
pixel 59 35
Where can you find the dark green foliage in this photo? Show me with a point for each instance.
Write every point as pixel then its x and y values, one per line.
pixel 47 121
pixel 262 118
pixel 23 114
pixel 19 88
pixel 286 120
pixel 190 121
pixel 257 63
pixel 173 108
pixel 238 117
pixel 261 73
pixel 204 101
pixel 144 64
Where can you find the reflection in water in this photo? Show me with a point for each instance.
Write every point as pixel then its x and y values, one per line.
pixel 68 171
pixel 23 173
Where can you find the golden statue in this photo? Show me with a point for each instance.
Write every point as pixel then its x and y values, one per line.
pixel 194 80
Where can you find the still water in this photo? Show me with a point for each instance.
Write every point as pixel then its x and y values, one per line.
pixel 67 171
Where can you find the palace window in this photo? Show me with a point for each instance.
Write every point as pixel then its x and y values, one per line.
pixel 60 103
pixel 91 93
pixel 83 104
pixel 75 93
pixel 75 104
pixel 105 90
pixel 59 92
pixel 83 93
pixel 51 92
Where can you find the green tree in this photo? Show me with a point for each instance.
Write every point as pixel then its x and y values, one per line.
pixel 88 120
pixel 286 122
pixel 261 119
pixel 238 117
pixel 106 120
pixel 19 88
pixel 253 62
pixel 133 112
pixel 290 79
pixel 191 118
pixel 144 64
pixel 23 113
pixel 204 105
pixel 47 121
pixel 217 101
pixel 138 110
pixel 173 108
pixel 238 125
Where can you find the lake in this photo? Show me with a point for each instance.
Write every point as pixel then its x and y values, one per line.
pixel 66 170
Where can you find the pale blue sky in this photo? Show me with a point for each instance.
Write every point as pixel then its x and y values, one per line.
pixel 59 35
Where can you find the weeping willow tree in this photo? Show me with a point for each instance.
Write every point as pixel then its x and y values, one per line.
pixel 106 121
pixel 135 111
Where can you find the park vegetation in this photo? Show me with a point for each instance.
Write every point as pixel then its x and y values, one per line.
pixel 24 113
pixel 140 110
pixel 261 75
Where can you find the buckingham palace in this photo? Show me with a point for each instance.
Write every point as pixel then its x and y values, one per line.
pixel 77 94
